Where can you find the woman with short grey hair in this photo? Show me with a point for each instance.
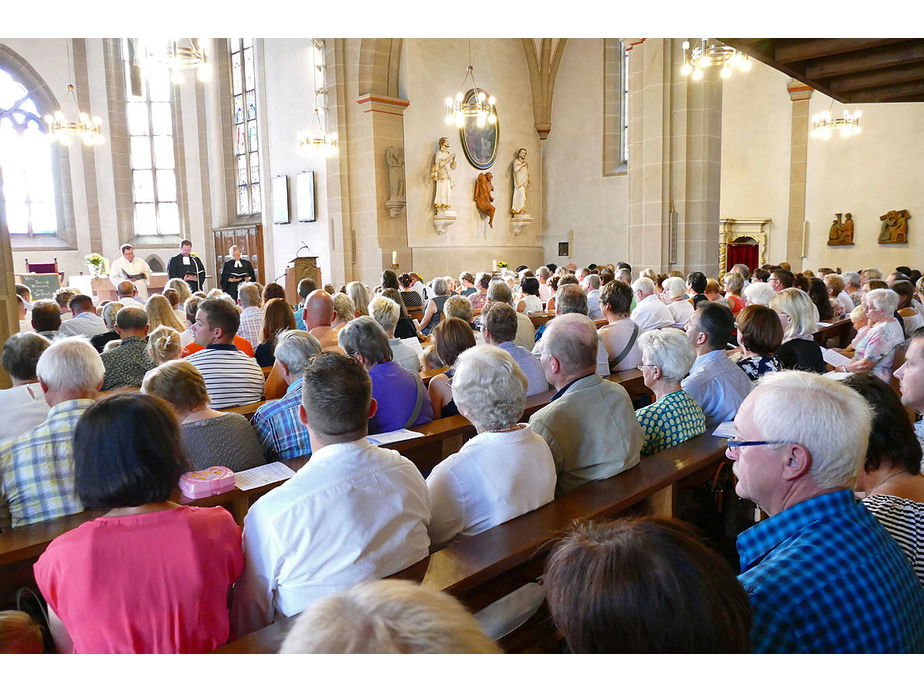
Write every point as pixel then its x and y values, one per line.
pixel 504 471
pixel 875 351
pixel 431 316
pixel 674 417
pixel 400 395
pixel 386 313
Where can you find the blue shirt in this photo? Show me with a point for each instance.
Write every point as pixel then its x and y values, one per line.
pixel 299 320
pixel 824 576
pixel 718 385
pixel 280 432
pixel 529 364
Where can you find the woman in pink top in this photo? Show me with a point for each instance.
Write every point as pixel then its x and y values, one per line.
pixel 149 576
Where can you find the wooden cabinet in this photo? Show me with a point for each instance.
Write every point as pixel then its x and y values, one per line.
pixel 249 239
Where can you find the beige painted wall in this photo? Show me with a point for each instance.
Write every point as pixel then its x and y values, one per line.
pixel 577 194
pixel 432 69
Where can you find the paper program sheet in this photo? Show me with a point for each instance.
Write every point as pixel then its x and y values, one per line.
pixel 262 475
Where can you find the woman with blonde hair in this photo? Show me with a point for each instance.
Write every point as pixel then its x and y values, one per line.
pixel 164 344
pixel 798 316
pixel 181 287
pixel 344 311
pixel 360 296
pixel 160 312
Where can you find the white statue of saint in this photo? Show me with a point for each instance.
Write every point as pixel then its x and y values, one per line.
pixel 443 162
pixel 520 182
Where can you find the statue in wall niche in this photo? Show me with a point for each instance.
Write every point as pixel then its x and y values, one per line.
pixel 894 226
pixel 520 182
pixel 394 159
pixel 443 163
pixel 841 233
pixel 484 196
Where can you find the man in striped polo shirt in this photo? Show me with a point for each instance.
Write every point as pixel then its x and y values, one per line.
pixel 231 377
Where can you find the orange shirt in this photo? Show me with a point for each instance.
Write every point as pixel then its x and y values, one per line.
pixel 241 343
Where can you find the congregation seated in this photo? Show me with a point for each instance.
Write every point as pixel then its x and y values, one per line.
pixel 160 312
pixel 401 396
pixel 530 302
pixel 305 287
pixel 714 381
pixel 852 287
pixel 163 344
pixel 404 326
pixel 387 617
pixel 645 586
pixel 250 301
pixel 649 313
pixel 758 293
pixel 277 316
pixel 590 425
pixel 183 293
pixel 190 306
pixel 799 350
pixel 434 308
pixel 208 437
pixel 480 295
pixel 276 423
pixel 63 298
pixel 271 291
pixel 386 312
pixel 411 298
pixel 571 299
pixel 344 311
pixel 696 288
pixel 128 294
pixel 460 307
pixel 822 574
pixel 355 512
pixel 359 297
pixel 318 314
pixel 818 293
pixel 890 482
pixel 677 301
pixel 911 318
pixel 127 363
pixel 20 634
pixel 591 286
pixel 499 292
pixel 499 326
pixel 760 334
pixel 451 337
pixel 734 284
pixel 70 373
pixel 85 322
pixel 620 334
pixel 875 351
pixel 834 283
pixel 506 469
pixel 231 377
pixel 781 279
pixel 674 417
pixel 46 318
pixel 23 405
pixel 911 379
pixel 149 576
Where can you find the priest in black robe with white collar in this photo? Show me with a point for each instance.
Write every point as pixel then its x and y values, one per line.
pixel 236 271
pixel 187 267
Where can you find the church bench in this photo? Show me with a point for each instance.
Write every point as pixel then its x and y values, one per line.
pixel 838 331
pixel 427 376
pixel 480 569
pixel 541 318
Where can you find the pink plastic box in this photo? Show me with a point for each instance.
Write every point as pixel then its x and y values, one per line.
pixel 208 482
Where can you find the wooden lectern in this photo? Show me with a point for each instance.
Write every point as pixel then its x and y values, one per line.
pixel 303 267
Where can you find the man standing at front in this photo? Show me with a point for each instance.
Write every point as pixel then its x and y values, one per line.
pixel 822 574
pixel 187 267
pixel 589 425
pixel 355 512
pixel 130 268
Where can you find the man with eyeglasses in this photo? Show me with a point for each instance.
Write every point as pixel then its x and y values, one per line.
pixel 821 572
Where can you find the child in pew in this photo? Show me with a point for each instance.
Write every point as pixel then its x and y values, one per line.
pixel 19 634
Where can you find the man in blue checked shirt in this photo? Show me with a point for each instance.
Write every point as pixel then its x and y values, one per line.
pixel 822 574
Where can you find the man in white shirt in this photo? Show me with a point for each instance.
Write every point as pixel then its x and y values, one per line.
pixel 130 268
pixel 591 286
pixel 545 291
pixel 85 323
pixel 23 405
pixel 650 313
pixel 911 379
pixel 248 298
pixel 355 512
pixel 128 294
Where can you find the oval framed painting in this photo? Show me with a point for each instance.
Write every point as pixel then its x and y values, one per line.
pixel 480 144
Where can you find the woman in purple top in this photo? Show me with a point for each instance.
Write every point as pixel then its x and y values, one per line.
pixel 401 396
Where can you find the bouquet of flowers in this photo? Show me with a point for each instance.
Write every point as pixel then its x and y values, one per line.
pixel 502 265
pixel 97 264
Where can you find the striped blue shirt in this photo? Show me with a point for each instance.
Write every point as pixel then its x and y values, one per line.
pixel 824 576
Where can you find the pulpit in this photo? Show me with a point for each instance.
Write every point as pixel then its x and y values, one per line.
pixel 301 268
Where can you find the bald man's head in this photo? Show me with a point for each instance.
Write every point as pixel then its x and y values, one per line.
pixel 125 289
pixel 319 309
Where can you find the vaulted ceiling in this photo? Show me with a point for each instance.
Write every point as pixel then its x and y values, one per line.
pixel 849 70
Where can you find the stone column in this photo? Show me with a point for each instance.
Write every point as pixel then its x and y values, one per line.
pixel 800 96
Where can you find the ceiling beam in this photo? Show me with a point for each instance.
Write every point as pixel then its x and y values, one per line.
pixel 869 59
pixel 796 50
pixel 889 93
pixel 878 78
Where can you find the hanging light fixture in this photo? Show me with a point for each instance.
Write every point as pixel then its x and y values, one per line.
pixel 326 144
pixel 823 124
pixel 86 129
pixel 179 56
pixel 476 103
pixel 705 55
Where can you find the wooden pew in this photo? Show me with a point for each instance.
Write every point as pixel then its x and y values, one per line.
pixel 478 570
pixel 427 376
pixel 839 332
pixel 541 318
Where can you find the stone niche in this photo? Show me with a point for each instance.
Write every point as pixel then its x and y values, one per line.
pixel 749 231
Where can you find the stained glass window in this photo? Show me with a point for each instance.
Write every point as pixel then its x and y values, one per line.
pixel 152 159
pixel 25 157
pixel 245 129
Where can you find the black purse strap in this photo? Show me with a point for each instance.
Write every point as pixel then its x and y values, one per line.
pixel 625 352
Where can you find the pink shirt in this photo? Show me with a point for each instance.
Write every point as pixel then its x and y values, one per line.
pixel 152 583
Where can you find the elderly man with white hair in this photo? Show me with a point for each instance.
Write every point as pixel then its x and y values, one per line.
pixel 504 471
pixel 853 287
pixel 677 301
pixel 590 425
pixel 499 291
pixel 572 299
pixel 822 574
pixel 386 313
pixel 249 299
pixel 276 423
pixel 649 313
pixel 37 467
pixel 591 286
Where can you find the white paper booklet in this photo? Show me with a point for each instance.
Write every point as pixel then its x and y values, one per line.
pixel 414 343
pixel 262 475
pixel 393 436
pixel 834 358
pixel 726 429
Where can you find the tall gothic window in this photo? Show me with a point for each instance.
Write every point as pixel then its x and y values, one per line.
pixel 615 106
pixel 244 126
pixel 152 151
pixel 25 157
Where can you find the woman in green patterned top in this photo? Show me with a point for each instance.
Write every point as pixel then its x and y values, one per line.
pixel 667 357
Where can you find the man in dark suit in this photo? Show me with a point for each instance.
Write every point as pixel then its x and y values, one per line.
pixel 236 271
pixel 187 266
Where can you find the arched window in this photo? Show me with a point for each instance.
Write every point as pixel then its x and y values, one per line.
pixel 26 161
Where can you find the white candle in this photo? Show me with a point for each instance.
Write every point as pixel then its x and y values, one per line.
pixel 394 257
